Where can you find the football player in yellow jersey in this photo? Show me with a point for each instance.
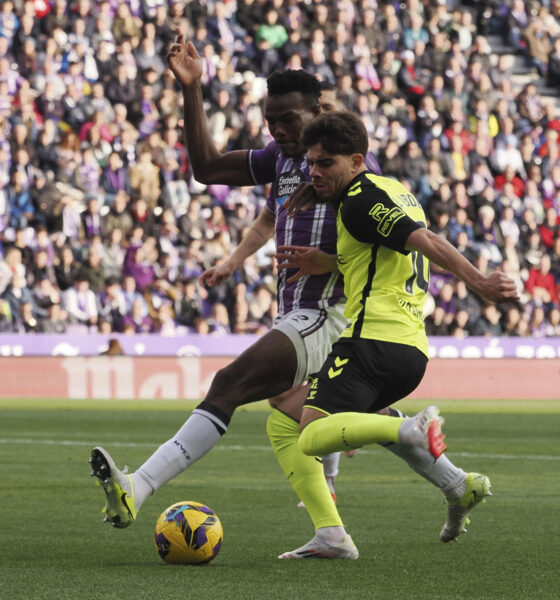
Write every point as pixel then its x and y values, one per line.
pixel 383 249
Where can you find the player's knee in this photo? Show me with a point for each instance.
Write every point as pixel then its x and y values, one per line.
pixel 229 382
pixel 282 431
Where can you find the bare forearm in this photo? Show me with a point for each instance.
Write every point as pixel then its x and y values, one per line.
pixel 256 237
pixel 443 254
pixel 208 164
pixel 199 143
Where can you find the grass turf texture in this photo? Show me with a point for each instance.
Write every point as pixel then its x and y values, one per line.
pixel 56 546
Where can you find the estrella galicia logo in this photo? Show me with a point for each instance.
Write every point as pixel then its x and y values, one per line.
pixel 287 183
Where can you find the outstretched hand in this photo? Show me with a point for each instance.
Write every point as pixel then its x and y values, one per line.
pixel 498 287
pixel 307 261
pixel 302 198
pixel 184 61
pixel 216 275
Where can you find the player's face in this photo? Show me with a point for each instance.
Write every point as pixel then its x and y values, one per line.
pixel 331 173
pixel 329 102
pixel 287 116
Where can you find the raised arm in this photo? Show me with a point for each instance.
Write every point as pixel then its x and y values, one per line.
pixel 496 287
pixel 209 165
pixel 258 234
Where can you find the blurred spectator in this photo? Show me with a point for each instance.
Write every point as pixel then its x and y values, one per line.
pixel 55 321
pixel 121 88
pixel 550 228
pixel 93 271
pixel 538 44
pixel 413 165
pixel 517 21
pixel 20 208
pixel 218 321
pixel 138 265
pixel 188 305
pixel 115 178
pixel 537 323
pixel 114 348
pixel 114 253
pixel 118 216
pixel 540 283
pixel 137 321
pixel 92 222
pixel 65 268
pixel 489 324
pixel 164 323
pixel 552 325
pixel 511 321
pixel 16 294
pixel 80 302
pixel 144 179
pixel 435 323
pixel 488 236
pixel 553 73
pixel 112 303
pixel 40 269
pixel 407 78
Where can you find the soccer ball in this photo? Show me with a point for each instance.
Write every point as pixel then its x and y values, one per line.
pixel 188 533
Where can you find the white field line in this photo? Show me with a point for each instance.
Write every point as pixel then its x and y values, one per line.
pixel 247 448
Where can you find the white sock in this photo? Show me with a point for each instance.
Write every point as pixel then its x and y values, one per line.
pixel 330 484
pixel 196 437
pixel 441 472
pixel 330 464
pixel 332 535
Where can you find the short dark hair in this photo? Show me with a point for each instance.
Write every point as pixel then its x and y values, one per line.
pixel 292 80
pixel 339 132
pixel 327 86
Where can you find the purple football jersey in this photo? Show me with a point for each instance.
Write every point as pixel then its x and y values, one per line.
pixel 313 227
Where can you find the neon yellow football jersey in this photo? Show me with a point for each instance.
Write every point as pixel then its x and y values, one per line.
pixel 385 285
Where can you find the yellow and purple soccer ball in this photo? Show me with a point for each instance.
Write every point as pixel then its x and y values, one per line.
pixel 188 533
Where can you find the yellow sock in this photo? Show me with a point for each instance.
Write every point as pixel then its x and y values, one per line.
pixel 305 473
pixel 346 431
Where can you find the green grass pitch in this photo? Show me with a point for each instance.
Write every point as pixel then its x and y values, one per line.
pixel 55 545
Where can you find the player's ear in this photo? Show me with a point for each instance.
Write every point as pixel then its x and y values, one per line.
pixel 357 161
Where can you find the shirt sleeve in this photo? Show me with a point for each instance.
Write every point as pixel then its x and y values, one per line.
pixel 373 218
pixel 262 163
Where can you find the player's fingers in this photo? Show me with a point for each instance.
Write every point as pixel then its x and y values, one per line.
pixel 211 281
pixel 295 277
pixel 286 205
pixel 191 50
pixel 286 265
pixel 301 208
pixel 203 277
pixel 291 248
pixel 284 255
pixel 293 210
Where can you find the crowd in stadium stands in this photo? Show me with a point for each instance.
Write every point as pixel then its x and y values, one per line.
pixel 103 228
